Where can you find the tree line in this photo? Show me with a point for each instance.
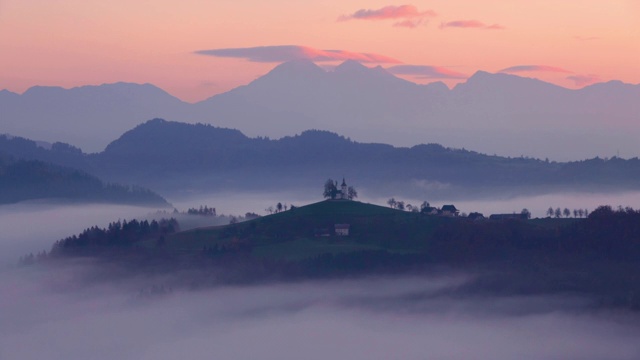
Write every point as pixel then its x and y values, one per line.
pixel 119 233
pixel 558 213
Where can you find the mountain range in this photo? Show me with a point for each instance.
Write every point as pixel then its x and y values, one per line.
pixel 490 113
pixel 175 158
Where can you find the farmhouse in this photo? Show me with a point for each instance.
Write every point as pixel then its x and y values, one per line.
pixel 449 210
pixel 342 229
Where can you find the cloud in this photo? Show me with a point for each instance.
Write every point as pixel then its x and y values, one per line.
pixel 408 15
pixel 584 80
pixel 409 23
pixel 534 68
pixel 389 12
pixel 282 53
pixel 426 72
pixel 473 24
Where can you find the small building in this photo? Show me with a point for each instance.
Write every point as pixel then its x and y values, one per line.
pixel 449 210
pixel 476 216
pixel 429 210
pixel 342 229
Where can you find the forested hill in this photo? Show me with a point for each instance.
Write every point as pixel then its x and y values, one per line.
pixel 171 156
pixel 22 180
pixel 596 257
pixel 161 149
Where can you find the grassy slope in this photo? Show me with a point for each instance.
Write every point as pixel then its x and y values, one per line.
pixel 290 234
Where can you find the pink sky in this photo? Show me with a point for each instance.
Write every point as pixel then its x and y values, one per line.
pixel 77 42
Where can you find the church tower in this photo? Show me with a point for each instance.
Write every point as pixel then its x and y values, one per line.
pixel 345 194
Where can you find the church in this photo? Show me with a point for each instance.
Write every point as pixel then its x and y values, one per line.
pixel 343 192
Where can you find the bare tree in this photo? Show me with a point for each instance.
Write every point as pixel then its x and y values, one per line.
pixel 550 212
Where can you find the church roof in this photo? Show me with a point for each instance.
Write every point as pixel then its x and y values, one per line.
pixel 343 182
pixel 449 208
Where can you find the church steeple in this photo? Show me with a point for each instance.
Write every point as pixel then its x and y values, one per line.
pixel 345 194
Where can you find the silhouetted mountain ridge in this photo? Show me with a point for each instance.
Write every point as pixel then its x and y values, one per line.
pixel 161 149
pixel 492 113
pixel 174 157
pixel 22 180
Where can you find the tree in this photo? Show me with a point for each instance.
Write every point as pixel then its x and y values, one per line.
pixel 526 213
pixel 400 205
pixel 392 203
pixel 580 212
pixel 558 213
pixel 330 189
pixel 352 193
pixel 425 204
pixel 566 212
pixel 550 212
pixel 279 207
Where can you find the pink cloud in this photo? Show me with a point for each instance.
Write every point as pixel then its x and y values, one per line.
pixel 282 53
pixel 534 68
pixel 495 27
pixel 426 72
pixel 584 80
pixel 409 23
pixel 408 16
pixel 389 12
pixel 473 24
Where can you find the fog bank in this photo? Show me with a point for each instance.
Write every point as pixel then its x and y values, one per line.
pixel 371 318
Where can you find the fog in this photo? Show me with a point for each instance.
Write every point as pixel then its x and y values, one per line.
pixel 370 318
pixel 33 227
pixel 54 313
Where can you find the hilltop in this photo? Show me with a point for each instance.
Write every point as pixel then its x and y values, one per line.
pixel 307 231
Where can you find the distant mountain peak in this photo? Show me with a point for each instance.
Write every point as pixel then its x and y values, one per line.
pixel 351 66
pixel 510 82
pixel 296 66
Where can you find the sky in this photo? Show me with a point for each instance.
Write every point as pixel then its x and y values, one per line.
pixel 195 48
